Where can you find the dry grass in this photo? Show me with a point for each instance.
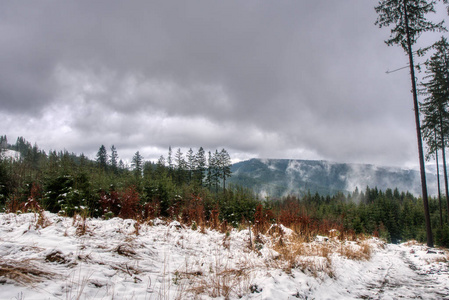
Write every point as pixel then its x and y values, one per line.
pixel 42 221
pixel 226 283
pixel 356 251
pixel 56 256
pixel 315 266
pixel 314 256
pixel 24 272
pixel 125 249
pixel 291 250
pixel 217 280
pixel 80 222
pixel 311 258
pixel 412 243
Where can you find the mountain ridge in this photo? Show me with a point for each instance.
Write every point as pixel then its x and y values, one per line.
pixel 280 177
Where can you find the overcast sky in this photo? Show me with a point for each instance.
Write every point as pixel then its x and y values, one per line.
pixel 268 79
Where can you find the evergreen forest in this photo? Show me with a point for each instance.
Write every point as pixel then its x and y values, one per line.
pixel 192 189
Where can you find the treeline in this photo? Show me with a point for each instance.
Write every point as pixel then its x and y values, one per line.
pixel 191 188
pixel 390 214
pixel 192 169
pixel 68 183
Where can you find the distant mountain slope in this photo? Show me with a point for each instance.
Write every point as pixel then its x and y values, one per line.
pixel 277 177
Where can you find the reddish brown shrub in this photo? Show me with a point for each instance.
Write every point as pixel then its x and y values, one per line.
pixel 193 211
pixel 214 221
pixel 129 202
pixel 32 204
pixel 262 219
pixel 110 202
pixel 150 210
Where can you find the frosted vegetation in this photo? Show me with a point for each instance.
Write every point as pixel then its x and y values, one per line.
pixel 46 256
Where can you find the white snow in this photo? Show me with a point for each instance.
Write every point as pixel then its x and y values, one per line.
pixel 72 258
pixel 10 154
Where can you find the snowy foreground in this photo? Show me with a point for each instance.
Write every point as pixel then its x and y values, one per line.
pixel 68 258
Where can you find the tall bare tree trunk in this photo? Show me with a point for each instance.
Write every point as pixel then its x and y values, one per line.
pixel 443 149
pixel 418 132
pixel 438 181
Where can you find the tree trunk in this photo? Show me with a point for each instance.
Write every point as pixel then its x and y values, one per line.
pixel 438 181
pixel 443 146
pixel 443 149
pixel 224 183
pixel 418 132
pixel 445 179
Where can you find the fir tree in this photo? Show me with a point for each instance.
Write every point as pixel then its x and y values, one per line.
pixel 114 158
pixel 121 165
pixel 209 170
pixel 190 165
pixel 3 143
pixel 169 158
pixel 200 164
pixel 181 166
pixel 408 21
pixel 435 105
pixel 169 162
pixel 160 167
pixel 224 165
pixel 102 157
pixel 215 170
pixel 137 164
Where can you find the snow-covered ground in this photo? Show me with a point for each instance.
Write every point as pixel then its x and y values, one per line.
pixel 67 258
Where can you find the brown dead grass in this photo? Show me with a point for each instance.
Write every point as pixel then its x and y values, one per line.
pixel 311 258
pixel 302 252
pixel 412 243
pixel 24 272
pixel 224 283
pixel 359 251
pixel 126 249
pixel 218 280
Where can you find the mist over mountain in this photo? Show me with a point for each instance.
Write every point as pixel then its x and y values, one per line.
pixel 280 177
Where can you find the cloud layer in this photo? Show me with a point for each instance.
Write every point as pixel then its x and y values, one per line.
pixel 275 79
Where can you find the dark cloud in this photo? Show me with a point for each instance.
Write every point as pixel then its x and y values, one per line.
pixel 282 79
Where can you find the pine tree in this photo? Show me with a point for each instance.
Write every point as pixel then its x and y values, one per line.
pixel 190 165
pixel 170 162
pixel 408 21
pixel 160 167
pixel 435 105
pixel 114 158
pixel 169 158
pixel 3 143
pixel 137 164
pixel 209 170
pixel 121 165
pixel 147 170
pixel 181 167
pixel 224 165
pixel 215 170
pixel 102 157
pixel 200 164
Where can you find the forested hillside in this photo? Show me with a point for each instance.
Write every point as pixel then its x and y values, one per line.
pixel 193 189
pixel 280 177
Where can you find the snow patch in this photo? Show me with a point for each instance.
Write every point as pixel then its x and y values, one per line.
pixel 171 261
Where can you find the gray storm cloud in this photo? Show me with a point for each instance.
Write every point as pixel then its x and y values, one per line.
pixel 283 79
